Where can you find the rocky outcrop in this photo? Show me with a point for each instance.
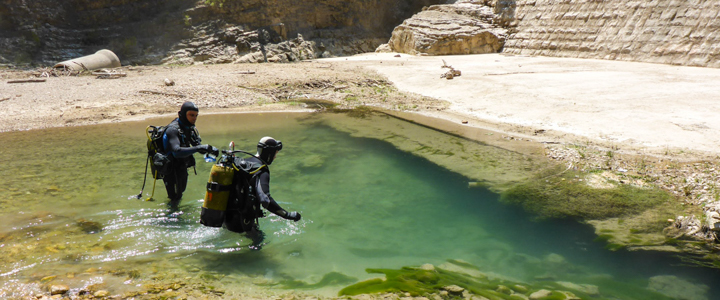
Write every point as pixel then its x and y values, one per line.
pixel 234 45
pixel 466 27
pixel 150 31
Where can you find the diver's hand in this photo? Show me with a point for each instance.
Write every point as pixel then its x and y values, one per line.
pixel 204 149
pixel 214 151
pixel 295 216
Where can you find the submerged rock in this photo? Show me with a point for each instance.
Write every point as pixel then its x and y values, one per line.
pixel 101 294
pixel 541 294
pixel 59 289
pixel 678 288
pixel 89 226
pixel 454 289
pixel 585 288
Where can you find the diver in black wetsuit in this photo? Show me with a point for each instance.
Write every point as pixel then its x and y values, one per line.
pixel 180 141
pixel 244 211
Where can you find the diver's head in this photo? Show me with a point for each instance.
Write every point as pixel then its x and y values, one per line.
pixel 267 148
pixel 188 113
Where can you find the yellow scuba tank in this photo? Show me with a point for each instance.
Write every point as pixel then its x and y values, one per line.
pixel 216 196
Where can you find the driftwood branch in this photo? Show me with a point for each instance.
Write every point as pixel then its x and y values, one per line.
pixel 253 89
pixel 4 99
pixel 26 80
pixel 161 93
pixel 105 74
pixel 450 74
pixel 110 76
pixel 245 72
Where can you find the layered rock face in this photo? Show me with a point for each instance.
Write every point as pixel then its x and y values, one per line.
pixel 47 31
pixel 222 31
pixel 150 31
pixel 658 31
pixel 466 27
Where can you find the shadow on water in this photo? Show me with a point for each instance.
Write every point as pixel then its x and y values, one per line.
pixel 65 208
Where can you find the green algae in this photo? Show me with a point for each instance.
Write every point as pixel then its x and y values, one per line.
pixel 562 194
pixel 419 281
pixel 425 281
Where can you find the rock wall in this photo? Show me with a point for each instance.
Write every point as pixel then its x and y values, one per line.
pixel 148 31
pixel 48 31
pixel 679 32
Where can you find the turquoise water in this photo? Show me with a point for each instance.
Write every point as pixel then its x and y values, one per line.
pixel 68 215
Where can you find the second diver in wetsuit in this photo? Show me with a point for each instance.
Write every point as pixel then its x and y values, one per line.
pixel 244 211
pixel 180 141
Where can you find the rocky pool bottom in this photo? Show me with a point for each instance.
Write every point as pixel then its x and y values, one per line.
pixel 375 203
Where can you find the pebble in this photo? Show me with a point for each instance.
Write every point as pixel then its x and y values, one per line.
pixel 454 289
pixel 101 294
pixel 541 294
pixel 59 289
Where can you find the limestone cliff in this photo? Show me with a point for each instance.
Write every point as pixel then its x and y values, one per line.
pixel 148 31
pixel 222 31
pixel 658 31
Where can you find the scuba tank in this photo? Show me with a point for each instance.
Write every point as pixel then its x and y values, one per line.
pixel 230 199
pixel 217 195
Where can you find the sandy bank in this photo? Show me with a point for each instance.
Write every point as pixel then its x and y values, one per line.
pixel 643 106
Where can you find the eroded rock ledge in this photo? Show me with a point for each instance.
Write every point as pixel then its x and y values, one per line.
pixel 466 27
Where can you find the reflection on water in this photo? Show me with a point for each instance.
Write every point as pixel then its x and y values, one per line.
pixel 67 216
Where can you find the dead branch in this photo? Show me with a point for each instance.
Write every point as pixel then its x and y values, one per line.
pixel 109 75
pixel 3 99
pixel 245 72
pixel 161 93
pixel 26 80
pixel 509 73
pixel 450 74
pixel 253 89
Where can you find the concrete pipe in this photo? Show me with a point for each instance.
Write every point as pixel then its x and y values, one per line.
pixel 101 59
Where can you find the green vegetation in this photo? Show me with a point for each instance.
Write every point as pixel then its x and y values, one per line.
pixel 418 282
pixel 214 3
pixel 427 281
pixel 562 194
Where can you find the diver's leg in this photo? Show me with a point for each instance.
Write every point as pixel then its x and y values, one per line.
pixel 182 178
pixel 257 237
pixel 171 180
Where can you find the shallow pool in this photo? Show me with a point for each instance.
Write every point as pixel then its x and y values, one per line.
pixel 68 215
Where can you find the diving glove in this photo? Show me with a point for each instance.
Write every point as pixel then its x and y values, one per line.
pixel 295 216
pixel 204 149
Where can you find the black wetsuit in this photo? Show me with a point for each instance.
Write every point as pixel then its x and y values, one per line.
pixel 180 143
pixel 244 209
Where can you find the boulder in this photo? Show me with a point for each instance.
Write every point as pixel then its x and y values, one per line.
pixel 460 28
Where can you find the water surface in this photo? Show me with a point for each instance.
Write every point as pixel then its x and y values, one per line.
pixel 67 215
